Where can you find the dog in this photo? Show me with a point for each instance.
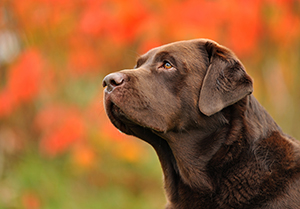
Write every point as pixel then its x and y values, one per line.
pixel 218 147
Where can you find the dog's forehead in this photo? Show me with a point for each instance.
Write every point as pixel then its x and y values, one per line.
pixel 173 48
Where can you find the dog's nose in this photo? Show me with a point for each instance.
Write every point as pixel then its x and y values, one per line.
pixel 113 80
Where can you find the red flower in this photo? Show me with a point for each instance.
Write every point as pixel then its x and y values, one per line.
pixel 61 128
pixel 23 82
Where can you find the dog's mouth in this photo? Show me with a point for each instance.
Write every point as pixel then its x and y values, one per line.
pixel 122 121
pixel 119 119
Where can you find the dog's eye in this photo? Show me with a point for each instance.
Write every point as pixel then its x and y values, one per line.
pixel 167 65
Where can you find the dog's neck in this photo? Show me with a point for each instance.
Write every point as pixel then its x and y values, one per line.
pixel 258 120
pixel 190 152
pixel 186 156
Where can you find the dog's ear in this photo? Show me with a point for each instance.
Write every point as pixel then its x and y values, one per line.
pixel 225 82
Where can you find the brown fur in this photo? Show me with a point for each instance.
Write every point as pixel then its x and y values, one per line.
pixel 217 145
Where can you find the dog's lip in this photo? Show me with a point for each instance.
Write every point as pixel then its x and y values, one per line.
pixel 122 122
pixel 118 118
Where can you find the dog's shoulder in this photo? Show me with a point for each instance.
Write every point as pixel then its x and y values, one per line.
pixel 265 174
pixel 278 157
pixel 288 199
pixel 278 151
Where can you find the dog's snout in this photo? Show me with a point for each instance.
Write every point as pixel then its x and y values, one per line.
pixel 113 80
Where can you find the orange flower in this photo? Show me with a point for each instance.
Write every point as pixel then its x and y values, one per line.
pixel 130 150
pixel 31 201
pixel 83 59
pixel 25 76
pixel 6 103
pixel 83 156
pixel 61 128
pixel 23 82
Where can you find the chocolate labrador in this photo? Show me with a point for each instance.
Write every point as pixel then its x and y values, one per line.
pixel 218 147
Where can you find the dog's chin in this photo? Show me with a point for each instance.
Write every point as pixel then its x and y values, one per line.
pixel 119 119
pixel 123 122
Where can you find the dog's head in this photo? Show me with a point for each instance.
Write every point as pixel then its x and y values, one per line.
pixel 175 87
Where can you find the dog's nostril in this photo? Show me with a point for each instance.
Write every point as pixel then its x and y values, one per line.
pixel 117 82
pixel 104 83
pixel 112 80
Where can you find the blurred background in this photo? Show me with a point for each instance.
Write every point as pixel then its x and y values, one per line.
pixel 58 148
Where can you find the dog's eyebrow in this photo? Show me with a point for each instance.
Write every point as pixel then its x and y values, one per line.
pixel 140 61
pixel 164 56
